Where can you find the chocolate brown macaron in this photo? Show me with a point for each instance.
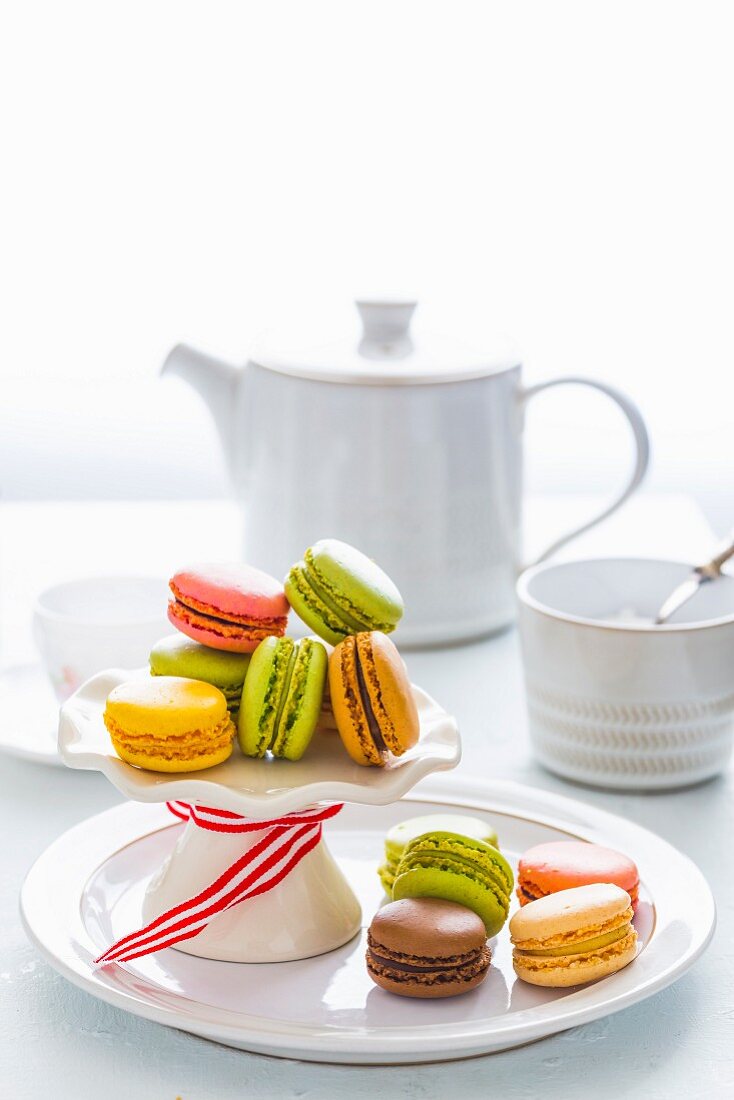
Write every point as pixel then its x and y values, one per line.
pixel 427 947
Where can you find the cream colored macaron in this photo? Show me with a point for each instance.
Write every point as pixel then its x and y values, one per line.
pixel 573 936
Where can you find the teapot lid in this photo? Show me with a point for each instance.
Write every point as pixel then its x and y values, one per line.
pixel 386 353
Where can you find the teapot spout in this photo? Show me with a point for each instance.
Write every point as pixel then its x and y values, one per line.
pixel 215 380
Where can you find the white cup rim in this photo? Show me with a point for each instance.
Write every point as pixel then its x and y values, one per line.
pixel 528 575
pixel 42 611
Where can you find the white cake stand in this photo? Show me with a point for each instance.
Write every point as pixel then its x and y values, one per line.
pixel 313 910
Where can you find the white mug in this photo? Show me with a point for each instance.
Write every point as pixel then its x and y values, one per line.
pixel 613 700
pixel 83 626
pixel 409 450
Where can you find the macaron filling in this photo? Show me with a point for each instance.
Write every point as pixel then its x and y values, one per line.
pixel 294 687
pixel 462 870
pixel 576 964
pixel 336 598
pixel 225 624
pixel 179 747
pixel 436 970
pixel 359 705
pixel 449 855
pixel 275 717
pixel 340 614
pixel 412 962
pixel 581 947
pixel 364 696
pixel 336 618
pixel 280 674
pixel 402 834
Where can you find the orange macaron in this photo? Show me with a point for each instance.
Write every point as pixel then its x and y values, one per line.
pixel 566 864
pixel 372 700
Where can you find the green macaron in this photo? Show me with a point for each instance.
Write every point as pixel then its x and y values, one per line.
pixel 457 868
pixel 281 699
pixel 177 655
pixel 339 591
pixel 400 835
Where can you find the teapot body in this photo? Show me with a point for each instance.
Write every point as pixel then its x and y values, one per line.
pixel 410 450
pixel 426 479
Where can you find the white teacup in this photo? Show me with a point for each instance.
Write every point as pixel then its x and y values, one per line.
pixel 86 625
pixel 614 701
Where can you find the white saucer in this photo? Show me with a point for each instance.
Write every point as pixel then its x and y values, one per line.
pixel 326 1008
pixel 256 787
pixel 30 715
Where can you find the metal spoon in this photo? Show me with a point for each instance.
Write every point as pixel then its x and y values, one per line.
pixel 702 574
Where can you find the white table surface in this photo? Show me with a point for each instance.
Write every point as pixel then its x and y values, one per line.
pixel 58 1041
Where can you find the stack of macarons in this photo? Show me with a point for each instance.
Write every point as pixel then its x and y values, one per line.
pixel 400 835
pixel 451 890
pixel 232 620
pixel 445 872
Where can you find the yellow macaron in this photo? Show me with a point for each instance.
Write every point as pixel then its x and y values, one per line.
pixel 573 936
pixel 169 724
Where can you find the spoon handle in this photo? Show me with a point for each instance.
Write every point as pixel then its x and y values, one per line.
pixel 726 552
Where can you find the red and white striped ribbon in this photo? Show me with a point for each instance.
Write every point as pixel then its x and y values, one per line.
pixel 284 843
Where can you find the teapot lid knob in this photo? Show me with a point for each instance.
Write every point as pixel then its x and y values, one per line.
pixel 385 327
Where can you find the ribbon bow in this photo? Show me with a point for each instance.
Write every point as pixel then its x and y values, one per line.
pixel 284 843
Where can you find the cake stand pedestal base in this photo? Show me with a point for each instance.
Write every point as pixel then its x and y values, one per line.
pixel 312 911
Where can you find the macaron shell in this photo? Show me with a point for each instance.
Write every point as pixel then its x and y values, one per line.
pixel 156 763
pixel 312 609
pixel 168 706
pixel 351 720
pixel 389 690
pixel 422 932
pixel 179 655
pixel 570 970
pixel 574 914
pixel 261 695
pixel 356 583
pixel 233 588
pixel 563 865
pixel 460 869
pixel 441 983
pixel 302 706
pixel 338 591
pixel 401 834
pixel 423 882
pixel 386 873
pixel 231 637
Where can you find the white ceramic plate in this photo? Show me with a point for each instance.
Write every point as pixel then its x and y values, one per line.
pixel 86 890
pixel 253 787
pixel 30 715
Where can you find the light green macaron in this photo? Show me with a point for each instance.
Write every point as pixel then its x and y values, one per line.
pixel 457 868
pixel 339 591
pixel 177 655
pixel 403 833
pixel 282 696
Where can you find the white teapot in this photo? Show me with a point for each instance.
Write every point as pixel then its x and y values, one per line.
pixel 411 451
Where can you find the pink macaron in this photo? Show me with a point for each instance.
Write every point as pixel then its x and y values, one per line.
pixel 228 606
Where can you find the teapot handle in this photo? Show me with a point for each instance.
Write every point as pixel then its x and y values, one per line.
pixel 642 451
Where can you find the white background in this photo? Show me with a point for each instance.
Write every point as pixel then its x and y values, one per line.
pixel 561 172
